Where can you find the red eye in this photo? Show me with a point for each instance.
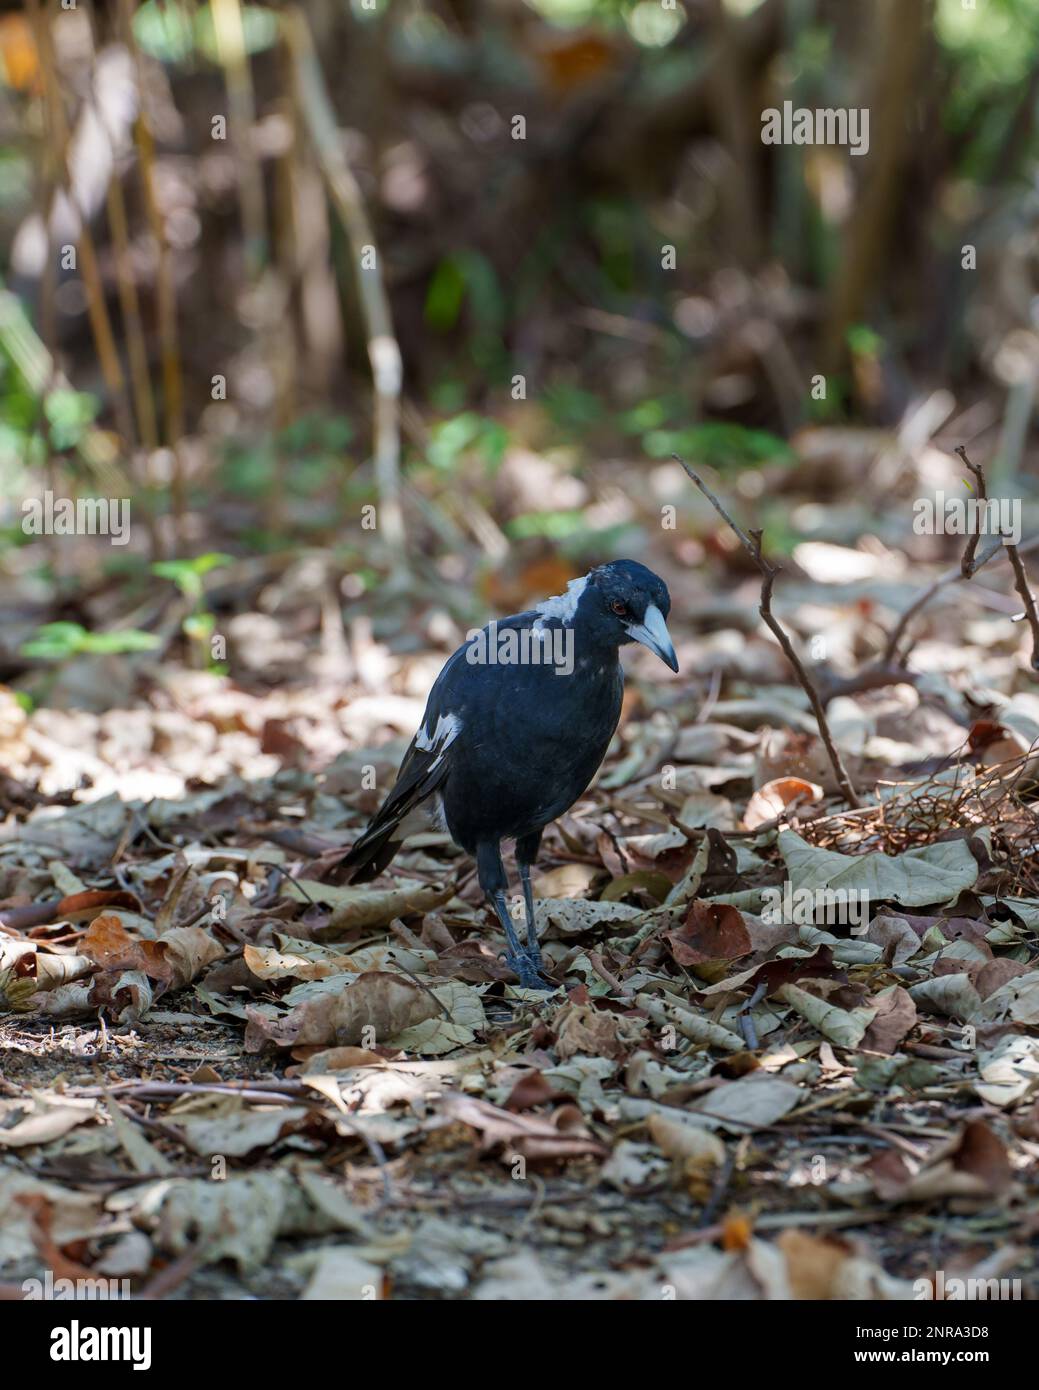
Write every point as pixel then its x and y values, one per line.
pixel 618 607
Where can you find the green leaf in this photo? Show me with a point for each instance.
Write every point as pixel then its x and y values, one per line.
pixel 188 574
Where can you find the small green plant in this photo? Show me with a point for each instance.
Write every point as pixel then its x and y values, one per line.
pixel 189 577
pixel 59 641
pixel 465 433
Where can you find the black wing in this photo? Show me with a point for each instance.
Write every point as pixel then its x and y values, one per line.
pixel 423 770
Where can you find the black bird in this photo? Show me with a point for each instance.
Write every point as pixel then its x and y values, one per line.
pixel 515 727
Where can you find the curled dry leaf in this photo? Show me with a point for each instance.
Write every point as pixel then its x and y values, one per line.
pixel 583 1028
pixel 187 951
pixel 951 995
pixel 1010 1072
pixel 354 909
pixel 173 961
pixel 379 1000
pixel 42 1117
pixel 973 1164
pixel 40 968
pixel 696 1026
pixel 677 1138
pixel 563 917
pixel 774 797
pixel 845 1027
pixel 561 1136
pixel 895 1015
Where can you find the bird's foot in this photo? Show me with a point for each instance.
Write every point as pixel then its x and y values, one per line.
pixel 528 967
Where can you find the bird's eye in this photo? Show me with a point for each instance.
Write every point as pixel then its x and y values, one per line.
pixel 619 608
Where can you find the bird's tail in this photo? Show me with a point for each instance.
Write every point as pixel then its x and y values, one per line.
pixel 371 853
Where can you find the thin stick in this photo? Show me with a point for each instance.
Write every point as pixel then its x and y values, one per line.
pixel 752 544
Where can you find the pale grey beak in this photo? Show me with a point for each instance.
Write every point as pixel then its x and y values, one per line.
pixel 653 633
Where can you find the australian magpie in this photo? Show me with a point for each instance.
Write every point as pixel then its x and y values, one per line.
pixel 515 727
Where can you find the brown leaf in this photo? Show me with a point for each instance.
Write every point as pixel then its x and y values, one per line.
pixel 108 943
pixel 532 1137
pixel 379 999
pixel 530 1090
pixel 187 951
pixel 712 931
pixel 583 1028
pixel 896 1014
pixel 813 1262
pixel 789 969
pixel 973 1164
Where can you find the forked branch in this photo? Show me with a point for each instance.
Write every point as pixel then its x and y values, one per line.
pixel 751 543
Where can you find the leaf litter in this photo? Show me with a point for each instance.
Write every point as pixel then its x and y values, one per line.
pixel 226 1071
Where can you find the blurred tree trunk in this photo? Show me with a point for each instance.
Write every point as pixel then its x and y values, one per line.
pixel 902 25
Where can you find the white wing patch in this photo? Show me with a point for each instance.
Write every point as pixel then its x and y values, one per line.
pixel 563 606
pixel 449 726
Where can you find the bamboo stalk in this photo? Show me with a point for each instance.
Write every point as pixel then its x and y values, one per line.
pixel 172 377
pixel 100 323
pixel 383 350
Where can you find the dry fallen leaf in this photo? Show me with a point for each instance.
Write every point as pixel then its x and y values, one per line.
pixel 372 1007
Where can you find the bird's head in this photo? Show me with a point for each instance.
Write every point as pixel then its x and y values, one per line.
pixel 629 603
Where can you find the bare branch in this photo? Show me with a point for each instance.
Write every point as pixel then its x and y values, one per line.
pixel 1021 584
pixel 1020 577
pixel 752 544
pixel 949 576
pixel 967 566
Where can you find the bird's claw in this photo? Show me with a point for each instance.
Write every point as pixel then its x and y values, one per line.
pixel 527 968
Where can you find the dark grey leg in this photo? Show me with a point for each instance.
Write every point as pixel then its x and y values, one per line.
pixel 491 872
pixel 526 853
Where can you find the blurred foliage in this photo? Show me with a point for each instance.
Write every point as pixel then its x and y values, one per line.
pixel 59 641
pixel 506 260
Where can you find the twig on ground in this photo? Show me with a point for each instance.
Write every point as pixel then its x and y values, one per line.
pixel 752 544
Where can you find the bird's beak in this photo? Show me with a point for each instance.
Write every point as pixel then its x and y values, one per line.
pixel 653 633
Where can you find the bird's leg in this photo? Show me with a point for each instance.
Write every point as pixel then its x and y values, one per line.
pixel 526 853
pixel 491 872
pixel 516 958
pixel 533 949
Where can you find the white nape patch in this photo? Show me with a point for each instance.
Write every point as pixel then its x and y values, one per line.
pixel 562 606
pixel 448 728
